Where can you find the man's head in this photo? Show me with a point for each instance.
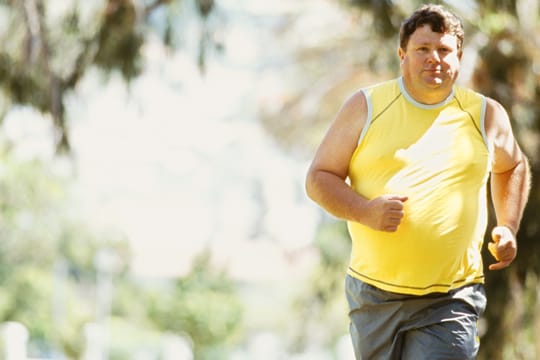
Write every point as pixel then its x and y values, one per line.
pixel 438 18
pixel 430 50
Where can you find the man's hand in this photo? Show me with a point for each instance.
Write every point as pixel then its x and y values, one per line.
pixel 503 247
pixel 386 212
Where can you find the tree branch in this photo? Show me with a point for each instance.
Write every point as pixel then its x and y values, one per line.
pixel 39 53
pixel 31 20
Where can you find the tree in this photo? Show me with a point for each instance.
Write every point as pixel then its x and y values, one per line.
pixel 203 305
pixel 43 56
pixel 321 307
pixel 37 236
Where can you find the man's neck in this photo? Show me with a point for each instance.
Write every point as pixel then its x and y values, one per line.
pixel 426 95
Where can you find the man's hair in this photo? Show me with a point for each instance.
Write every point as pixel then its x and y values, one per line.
pixel 438 18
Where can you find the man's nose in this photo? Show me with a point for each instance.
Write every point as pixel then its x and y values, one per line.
pixel 434 56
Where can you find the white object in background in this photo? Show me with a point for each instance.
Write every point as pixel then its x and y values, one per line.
pixel 14 338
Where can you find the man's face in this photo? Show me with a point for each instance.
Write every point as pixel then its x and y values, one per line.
pixel 431 60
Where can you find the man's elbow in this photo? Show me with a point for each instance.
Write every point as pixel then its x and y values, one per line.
pixel 311 184
pixel 319 183
pixel 521 165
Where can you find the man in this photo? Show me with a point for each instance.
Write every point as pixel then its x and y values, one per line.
pixel 406 164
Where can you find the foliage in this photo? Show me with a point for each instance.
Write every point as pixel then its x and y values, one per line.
pixel 48 261
pixel 47 271
pixel 48 258
pixel 202 305
pixel 43 55
pixel 386 15
pixel 321 305
pixel 28 195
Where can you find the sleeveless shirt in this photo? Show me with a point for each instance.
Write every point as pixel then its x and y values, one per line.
pixel 438 156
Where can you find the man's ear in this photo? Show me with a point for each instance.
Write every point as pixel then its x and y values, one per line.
pixel 401 54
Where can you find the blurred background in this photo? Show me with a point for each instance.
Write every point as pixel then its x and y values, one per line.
pixel 153 154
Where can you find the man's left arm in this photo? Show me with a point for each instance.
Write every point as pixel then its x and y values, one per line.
pixel 510 185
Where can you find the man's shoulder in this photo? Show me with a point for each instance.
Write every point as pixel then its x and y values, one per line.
pixel 467 94
pixel 383 92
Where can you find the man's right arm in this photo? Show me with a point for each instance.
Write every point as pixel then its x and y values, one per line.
pixel 326 177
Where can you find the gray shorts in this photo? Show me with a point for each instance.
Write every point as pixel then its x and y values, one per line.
pixel 392 326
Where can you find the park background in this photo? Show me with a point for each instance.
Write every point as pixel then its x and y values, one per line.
pixel 153 154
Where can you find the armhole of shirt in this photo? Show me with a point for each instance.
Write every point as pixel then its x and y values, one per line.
pixel 483 127
pixel 368 116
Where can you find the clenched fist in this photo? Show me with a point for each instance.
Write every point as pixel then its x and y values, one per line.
pixel 386 212
pixel 503 247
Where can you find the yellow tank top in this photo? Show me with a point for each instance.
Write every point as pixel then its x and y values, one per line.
pixel 438 156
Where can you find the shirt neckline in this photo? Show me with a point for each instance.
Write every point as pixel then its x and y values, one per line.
pixel 419 104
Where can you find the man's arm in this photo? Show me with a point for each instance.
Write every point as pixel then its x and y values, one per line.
pixel 326 178
pixel 510 185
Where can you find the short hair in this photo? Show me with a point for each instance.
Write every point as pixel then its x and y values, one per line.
pixel 438 18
